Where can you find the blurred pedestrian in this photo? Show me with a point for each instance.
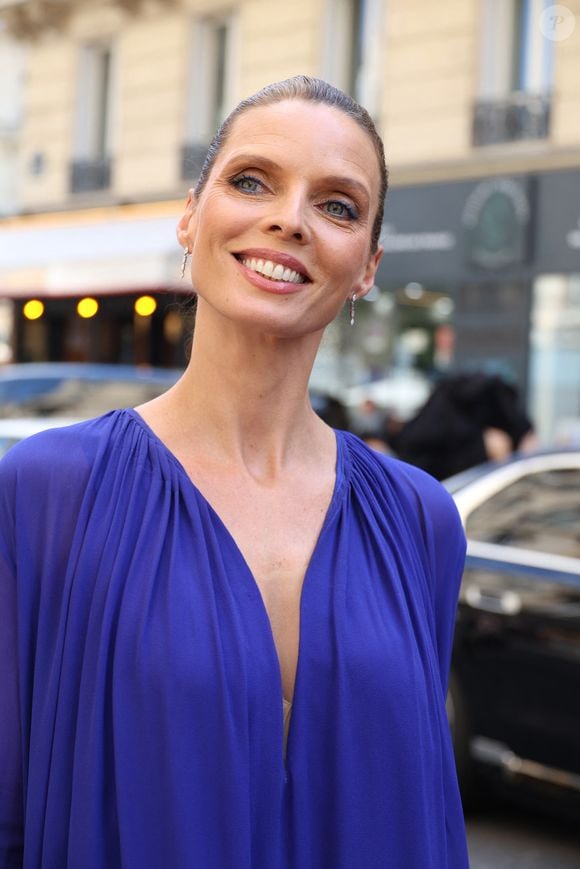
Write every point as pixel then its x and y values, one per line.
pixel 173 576
pixel 468 419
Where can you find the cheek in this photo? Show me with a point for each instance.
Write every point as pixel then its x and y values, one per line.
pixel 221 217
pixel 347 259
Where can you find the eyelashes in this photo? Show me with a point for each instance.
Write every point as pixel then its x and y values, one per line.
pixel 345 210
pixel 247 183
pixel 336 208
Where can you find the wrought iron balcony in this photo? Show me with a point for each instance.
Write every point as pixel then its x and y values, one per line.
pixel 87 176
pixel 518 117
pixel 192 159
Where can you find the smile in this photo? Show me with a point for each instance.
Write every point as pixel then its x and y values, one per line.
pixel 272 270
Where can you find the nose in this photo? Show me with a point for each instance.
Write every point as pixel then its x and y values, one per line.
pixel 288 217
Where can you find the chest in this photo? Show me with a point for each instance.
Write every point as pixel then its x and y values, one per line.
pixel 276 532
pixel 169 600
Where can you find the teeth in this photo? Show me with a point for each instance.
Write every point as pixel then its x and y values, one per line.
pixel 272 270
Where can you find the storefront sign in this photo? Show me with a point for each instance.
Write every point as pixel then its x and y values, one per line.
pixel 468 231
pixel 392 240
pixel 496 219
pixel 421 234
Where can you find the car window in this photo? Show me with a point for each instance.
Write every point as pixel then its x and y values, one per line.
pixel 540 512
pixel 74 397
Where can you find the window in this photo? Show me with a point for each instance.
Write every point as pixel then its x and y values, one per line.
pixel 12 72
pixel 539 512
pixel 352 50
pixel 212 80
pixel 516 73
pixel 93 126
pixel 6 327
pixel 555 358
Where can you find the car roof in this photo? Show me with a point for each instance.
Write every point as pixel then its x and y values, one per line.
pixel 18 428
pixel 477 484
pixel 87 371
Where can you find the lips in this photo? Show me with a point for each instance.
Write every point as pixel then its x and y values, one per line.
pixel 274 265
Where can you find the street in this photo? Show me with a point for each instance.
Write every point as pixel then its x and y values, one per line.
pixel 509 838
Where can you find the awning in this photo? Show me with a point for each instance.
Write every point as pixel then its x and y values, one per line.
pixel 99 251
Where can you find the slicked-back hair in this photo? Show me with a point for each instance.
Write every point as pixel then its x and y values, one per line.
pixel 315 90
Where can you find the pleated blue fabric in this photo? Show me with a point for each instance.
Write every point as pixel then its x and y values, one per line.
pixel 140 690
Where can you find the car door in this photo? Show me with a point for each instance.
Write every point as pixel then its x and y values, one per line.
pixel 518 650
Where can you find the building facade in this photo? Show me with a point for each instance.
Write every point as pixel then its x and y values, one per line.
pixel 482 124
pixel 479 105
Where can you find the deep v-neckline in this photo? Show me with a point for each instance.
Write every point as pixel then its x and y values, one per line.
pixel 333 505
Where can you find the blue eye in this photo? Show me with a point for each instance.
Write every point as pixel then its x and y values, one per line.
pixel 339 209
pixel 247 183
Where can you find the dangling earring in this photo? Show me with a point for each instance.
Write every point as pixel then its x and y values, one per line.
pixel 352 301
pixel 184 262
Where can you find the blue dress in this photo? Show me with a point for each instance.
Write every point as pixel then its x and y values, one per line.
pixel 140 690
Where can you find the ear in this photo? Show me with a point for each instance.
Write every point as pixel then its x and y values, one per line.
pixel 368 278
pixel 183 229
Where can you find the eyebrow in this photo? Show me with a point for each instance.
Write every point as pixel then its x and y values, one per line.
pixel 346 181
pixel 338 181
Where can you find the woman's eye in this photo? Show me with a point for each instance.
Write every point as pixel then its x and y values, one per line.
pixel 343 210
pixel 247 183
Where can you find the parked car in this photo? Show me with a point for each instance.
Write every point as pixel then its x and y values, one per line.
pixel 514 693
pixel 77 390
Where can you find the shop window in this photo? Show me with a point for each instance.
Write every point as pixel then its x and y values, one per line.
pixel 91 165
pixel 555 359
pixel 516 72
pixel 6 329
pixel 492 321
pixel 212 81
pixel 352 49
pixel 32 340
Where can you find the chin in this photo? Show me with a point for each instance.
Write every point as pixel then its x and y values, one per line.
pixel 275 317
pixel 282 327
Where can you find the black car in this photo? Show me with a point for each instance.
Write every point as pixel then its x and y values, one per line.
pixel 514 694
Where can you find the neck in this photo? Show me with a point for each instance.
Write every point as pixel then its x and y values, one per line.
pixel 244 395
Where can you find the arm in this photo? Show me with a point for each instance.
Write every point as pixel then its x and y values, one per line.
pixel 11 787
pixel 445 545
pixel 448 563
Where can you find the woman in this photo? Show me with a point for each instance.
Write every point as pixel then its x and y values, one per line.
pixel 174 576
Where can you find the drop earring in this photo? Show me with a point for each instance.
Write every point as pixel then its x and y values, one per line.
pixel 352 301
pixel 184 262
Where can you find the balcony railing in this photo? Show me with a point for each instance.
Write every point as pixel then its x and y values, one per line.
pixel 87 176
pixel 518 117
pixel 192 159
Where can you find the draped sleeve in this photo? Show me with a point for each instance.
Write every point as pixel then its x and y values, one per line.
pixel 42 481
pixel 438 524
pixel 11 798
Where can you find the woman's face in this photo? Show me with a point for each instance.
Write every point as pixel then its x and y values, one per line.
pixel 280 235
